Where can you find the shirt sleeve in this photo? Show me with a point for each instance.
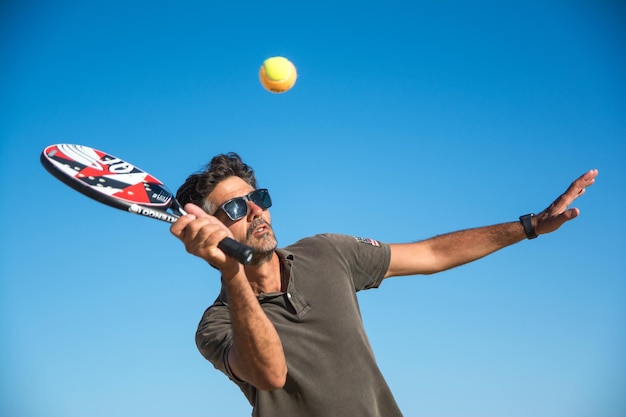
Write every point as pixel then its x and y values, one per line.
pixel 214 337
pixel 367 259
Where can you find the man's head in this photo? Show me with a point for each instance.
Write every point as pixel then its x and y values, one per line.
pixel 198 186
pixel 226 189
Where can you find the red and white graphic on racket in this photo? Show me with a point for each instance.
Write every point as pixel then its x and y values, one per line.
pixel 117 183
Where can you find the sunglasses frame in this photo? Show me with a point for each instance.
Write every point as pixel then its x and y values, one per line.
pixel 263 193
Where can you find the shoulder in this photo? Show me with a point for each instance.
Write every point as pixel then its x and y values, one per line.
pixel 335 239
pixel 332 244
pixel 320 243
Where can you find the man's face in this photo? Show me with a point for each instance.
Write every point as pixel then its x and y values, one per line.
pixel 254 229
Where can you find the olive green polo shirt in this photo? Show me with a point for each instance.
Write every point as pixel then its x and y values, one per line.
pixel 331 366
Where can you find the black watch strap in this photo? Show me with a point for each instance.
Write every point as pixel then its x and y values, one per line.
pixel 527 222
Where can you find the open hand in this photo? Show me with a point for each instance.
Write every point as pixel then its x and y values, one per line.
pixel 558 212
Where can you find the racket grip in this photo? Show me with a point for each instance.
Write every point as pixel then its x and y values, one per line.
pixel 234 249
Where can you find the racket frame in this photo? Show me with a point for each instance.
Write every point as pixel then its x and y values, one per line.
pixel 158 211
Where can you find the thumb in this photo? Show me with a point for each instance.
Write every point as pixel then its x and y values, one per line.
pixel 566 216
pixel 571 213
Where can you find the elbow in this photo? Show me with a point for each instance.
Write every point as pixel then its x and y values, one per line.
pixel 265 375
pixel 271 380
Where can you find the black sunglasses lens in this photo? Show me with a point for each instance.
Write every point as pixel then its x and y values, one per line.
pixel 261 198
pixel 236 208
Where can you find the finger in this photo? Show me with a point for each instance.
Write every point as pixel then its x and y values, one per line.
pixel 575 190
pixel 549 223
pixel 178 227
pixel 566 216
pixel 197 229
pixel 204 243
pixel 195 210
pixel 203 233
pixel 571 214
pixel 586 180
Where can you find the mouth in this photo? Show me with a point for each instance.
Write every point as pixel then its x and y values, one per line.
pixel 259 229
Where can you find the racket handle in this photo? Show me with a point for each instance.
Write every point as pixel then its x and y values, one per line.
pixel 234 249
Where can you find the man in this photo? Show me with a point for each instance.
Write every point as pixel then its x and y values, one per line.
pixel 287 328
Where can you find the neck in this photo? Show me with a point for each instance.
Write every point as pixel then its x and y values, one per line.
pixel 266 277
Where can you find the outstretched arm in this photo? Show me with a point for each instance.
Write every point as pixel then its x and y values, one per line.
pixel 453 249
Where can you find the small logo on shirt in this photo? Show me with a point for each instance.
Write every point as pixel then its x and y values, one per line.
pixel 367 240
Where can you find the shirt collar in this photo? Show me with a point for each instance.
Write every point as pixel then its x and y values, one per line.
pixel 284 256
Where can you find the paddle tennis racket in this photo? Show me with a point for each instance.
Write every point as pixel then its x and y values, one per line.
pixel 117 183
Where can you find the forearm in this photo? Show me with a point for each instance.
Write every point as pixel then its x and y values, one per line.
pixel 458 248
pixel 257 354
pixel 452 249
pixel 455 249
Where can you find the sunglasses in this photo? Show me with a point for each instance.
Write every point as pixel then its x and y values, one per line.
pixel 237 208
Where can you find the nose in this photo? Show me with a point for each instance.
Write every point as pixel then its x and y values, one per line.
pixel 253 210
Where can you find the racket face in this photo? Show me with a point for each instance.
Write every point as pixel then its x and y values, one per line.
pixel 105 178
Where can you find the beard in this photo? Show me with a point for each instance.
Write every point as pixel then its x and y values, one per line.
pixel 264 245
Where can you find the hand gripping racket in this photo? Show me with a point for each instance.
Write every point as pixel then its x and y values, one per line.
pixel 117 183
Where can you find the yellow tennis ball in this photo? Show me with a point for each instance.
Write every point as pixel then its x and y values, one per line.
pixel 277 74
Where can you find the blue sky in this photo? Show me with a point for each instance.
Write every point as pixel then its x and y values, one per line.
pixel 408 119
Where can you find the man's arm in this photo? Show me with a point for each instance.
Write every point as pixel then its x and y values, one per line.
pixel 256 355
pixel 453 249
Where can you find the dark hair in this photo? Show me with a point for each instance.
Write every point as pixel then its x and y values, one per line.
pixel 198 186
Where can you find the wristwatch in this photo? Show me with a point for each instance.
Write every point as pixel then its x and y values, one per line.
pixel 527 222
